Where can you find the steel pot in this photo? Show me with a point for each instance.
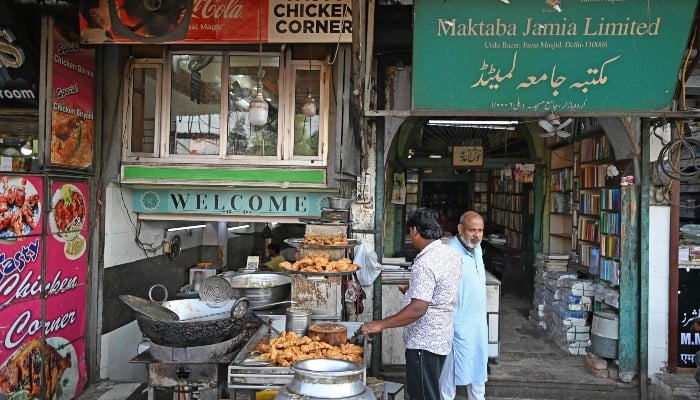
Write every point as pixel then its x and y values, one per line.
pixel 323 378
pixel 262 289
pixel 339 203
pixel 198 324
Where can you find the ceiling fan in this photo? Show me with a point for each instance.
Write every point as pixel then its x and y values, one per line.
pixel 552 125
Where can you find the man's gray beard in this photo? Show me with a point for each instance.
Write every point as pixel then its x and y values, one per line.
pixel 469 244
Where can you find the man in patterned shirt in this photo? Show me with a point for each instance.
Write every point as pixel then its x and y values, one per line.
pixel 429 304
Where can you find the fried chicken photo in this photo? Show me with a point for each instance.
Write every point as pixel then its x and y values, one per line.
pixel 22 371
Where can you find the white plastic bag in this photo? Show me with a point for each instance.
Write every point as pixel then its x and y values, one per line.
pixel 370 268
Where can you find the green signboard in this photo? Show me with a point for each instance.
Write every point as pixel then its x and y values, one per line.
pixel 229 202
pixel 593 55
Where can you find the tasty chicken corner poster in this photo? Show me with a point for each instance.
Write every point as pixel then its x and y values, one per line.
pixel 43 288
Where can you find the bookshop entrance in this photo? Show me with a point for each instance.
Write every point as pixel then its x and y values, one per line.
pixel 552 212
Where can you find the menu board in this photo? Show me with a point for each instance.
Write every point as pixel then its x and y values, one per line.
pixel 43 287
pixel 73 101
pixel 688 316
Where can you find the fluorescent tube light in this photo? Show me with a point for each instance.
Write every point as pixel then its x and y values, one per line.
pixel 435 156
pixel 184 228
pixel 470 122
pixel 239 227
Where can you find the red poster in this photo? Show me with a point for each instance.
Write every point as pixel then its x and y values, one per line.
pixel 216 21
pixel 21 201
pixel 73 102
pixel 62 290
pixel 21 347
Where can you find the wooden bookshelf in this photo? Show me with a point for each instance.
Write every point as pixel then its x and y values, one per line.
pixel 562 183
pixel 481 192
pixel 507 210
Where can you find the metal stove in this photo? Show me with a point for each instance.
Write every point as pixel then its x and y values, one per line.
pixel 202 369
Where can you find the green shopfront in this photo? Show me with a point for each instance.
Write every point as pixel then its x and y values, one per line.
pixel 614 65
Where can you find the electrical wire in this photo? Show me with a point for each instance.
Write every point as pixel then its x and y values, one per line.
pixel 677 161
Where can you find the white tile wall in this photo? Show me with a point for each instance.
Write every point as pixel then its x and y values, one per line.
pixel 120 246
pixel 118 348
pixel 659 218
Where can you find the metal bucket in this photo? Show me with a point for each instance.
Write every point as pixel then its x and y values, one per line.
pixel 298 320
pixel 604 334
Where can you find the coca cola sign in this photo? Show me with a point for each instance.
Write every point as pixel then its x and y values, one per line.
pixel 216 21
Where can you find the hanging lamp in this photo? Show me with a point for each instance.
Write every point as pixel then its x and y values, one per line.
pixel 257 110
pixel 308 109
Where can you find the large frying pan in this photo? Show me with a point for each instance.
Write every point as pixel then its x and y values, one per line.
pixel 196 324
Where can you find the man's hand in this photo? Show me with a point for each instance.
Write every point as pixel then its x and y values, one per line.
pixel 372 327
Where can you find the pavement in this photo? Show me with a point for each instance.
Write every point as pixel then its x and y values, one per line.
pixel 531 366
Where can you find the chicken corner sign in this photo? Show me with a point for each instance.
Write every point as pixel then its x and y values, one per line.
pixel 216 21
pixel 525 57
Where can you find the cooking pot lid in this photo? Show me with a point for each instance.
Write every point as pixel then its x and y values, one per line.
pixel 150 309
pixel 216 291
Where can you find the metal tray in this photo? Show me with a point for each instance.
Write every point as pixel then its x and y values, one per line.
pixel 299 244
pixel 244 360
pixel 322 221
pixel 309 273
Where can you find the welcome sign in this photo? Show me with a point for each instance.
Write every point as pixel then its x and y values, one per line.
pixel 238 202
pixel 594 55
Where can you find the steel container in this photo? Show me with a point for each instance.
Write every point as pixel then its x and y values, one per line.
pixel 298 320
pixel 262 289
pixel 323 378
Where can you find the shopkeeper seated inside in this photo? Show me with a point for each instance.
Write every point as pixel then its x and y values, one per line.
pixel 275 258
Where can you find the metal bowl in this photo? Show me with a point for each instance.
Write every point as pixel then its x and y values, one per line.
pixel 338 203
pixel 261 288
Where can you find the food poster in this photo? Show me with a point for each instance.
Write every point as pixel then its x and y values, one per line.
pixel 66 368
pixel 66 285
pixel 66 248
pixel 73 101
pixel 63 287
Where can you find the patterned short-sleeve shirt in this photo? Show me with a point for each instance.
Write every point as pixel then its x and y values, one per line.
pixel 435 276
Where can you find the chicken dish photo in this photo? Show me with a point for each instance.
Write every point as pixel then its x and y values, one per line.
pixel 19 208
pixel 22 371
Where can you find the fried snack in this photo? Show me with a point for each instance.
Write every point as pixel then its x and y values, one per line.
pixel 289 266
pixel 288 347
pixel 321 240
pixel 320 263
pixel 23 370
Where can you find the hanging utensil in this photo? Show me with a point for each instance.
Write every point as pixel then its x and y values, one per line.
pixel 215 291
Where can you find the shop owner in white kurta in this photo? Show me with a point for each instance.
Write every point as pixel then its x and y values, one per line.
pixel 466 364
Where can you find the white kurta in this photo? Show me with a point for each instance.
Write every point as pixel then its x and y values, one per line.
pixel 470 345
